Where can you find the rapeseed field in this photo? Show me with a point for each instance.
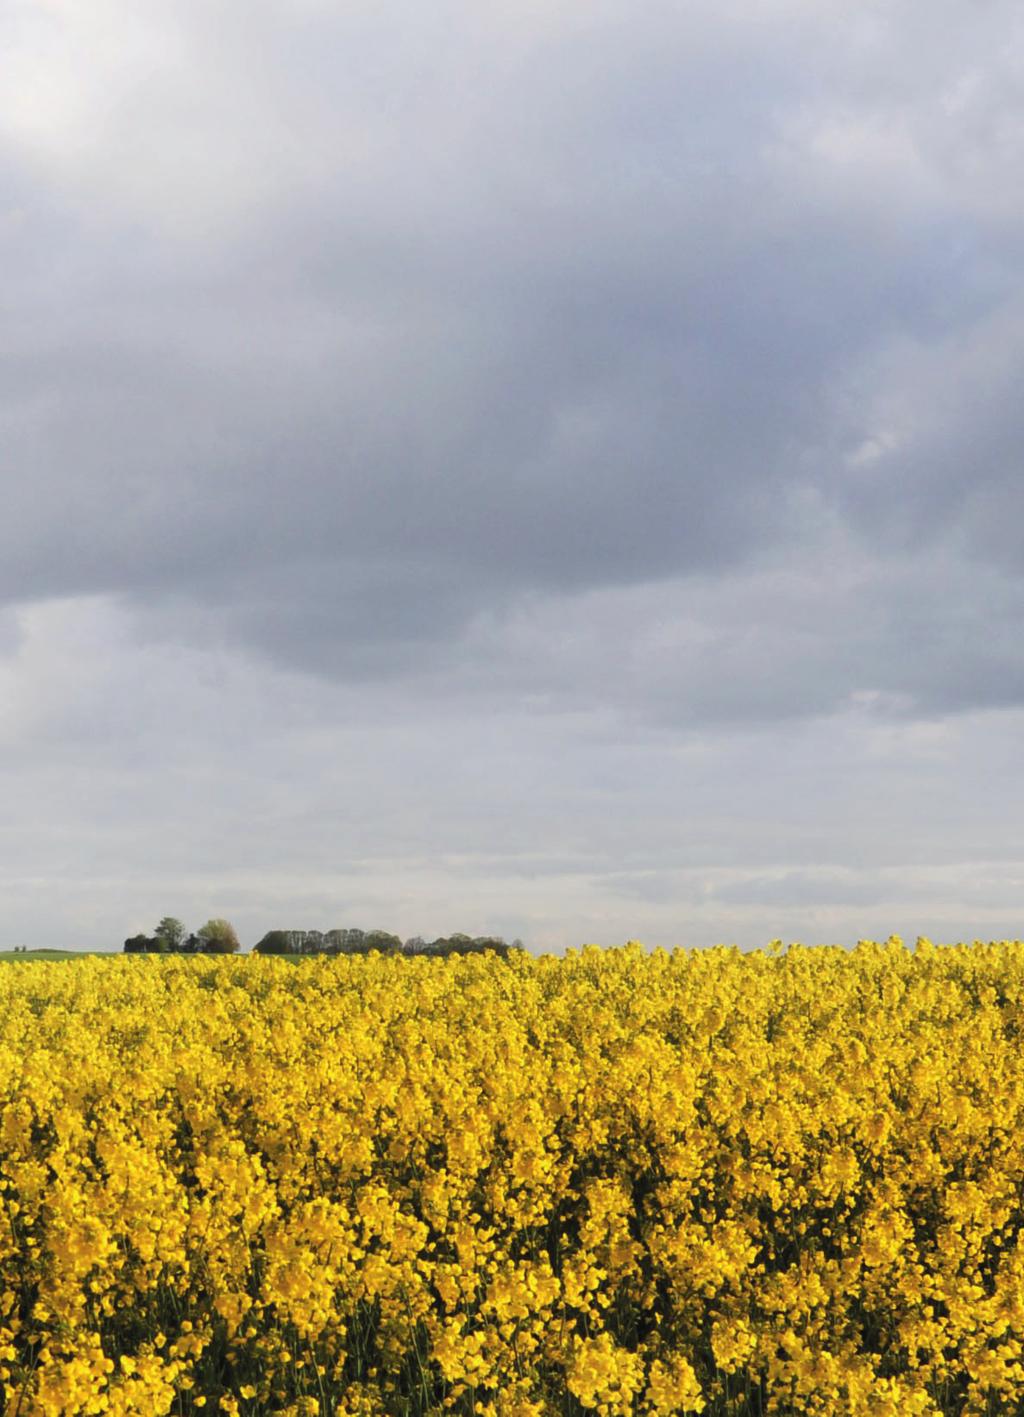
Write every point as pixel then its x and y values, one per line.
pixel 618 1182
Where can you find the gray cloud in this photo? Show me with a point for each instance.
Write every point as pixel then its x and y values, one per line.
pixel 451 311
pixel 644 384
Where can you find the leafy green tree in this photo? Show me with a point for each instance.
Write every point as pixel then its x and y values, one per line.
pixel 382 940
pixel 217 937
pixel 171 931
pixel 348 941
pixel 274 942
pixel 495 943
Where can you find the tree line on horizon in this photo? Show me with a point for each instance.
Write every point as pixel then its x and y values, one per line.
pixel 218 936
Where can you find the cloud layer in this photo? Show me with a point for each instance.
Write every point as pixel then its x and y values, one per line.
pixel 454 457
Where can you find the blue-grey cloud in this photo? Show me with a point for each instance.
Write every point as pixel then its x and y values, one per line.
pixel 643 379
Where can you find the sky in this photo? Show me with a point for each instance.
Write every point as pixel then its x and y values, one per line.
pixel 546 469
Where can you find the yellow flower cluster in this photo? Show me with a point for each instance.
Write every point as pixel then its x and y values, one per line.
pixel 616 1182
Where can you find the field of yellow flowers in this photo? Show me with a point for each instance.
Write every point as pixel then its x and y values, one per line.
pixel 617 1182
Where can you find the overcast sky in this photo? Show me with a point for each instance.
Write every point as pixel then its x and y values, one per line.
pixel 546 468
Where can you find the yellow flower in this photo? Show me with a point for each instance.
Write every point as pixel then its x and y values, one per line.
pixel 377 1185
pixel 672 1388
